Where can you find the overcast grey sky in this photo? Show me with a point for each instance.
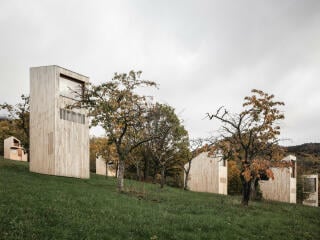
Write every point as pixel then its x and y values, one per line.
pixel 204 54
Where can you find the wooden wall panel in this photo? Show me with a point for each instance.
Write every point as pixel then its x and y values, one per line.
pixel 223 178
pixel 100 166
pixel 6 148
pixel 208 175
pixel 72 160
pixel 279 188
pixel 42 118
pixel 283 187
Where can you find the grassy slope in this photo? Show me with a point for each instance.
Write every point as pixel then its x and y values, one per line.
pixel 34 206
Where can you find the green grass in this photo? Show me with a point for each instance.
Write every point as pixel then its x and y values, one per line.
pixel 35 206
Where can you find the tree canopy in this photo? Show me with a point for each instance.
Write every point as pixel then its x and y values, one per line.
pixel 171 136
pixel 121 112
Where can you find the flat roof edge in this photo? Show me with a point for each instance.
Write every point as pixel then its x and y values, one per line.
pixel 61 68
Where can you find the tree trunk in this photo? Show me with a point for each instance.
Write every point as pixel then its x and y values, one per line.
pixel 253 192
pixel 117 168
pixel 246 192
pixel 107 172
pixel 28 156
pixel 146 172
pixel 155 169
pixel 121 175
pixel 187 176
pixel 138 171
pixel 246 185
pixel 186 181
pixel 162 176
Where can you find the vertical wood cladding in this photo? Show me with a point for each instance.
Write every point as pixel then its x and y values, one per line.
pixel 59 137
pixel 283 187
pixel 208 174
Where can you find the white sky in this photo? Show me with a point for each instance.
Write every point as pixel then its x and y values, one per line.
pixel 203 54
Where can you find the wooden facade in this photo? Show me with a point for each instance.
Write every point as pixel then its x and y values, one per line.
pixel 13 149
pixel 310 188
pixel 283 187
pixel 103 168
pixel 59 137
pixel 208 174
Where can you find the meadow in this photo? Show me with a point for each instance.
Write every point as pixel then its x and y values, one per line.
pixel 35 206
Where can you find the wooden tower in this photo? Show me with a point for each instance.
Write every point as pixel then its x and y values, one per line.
pixel 59 137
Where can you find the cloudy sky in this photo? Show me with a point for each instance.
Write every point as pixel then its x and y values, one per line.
pixel 203 54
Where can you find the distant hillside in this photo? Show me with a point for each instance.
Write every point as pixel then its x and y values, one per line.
pixel 309 148
pixel 308 157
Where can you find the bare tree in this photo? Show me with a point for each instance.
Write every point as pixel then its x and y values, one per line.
pixel 250 136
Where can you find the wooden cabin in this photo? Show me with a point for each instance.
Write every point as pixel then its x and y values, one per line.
pixel 13 150
pixel 59 136
pixel 105 168
pixel 310 188
pixel 283 187
pixel 208 174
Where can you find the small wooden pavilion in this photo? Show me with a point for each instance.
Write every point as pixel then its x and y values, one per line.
pixel 104 168
pixel 283 187
pixel 13 149
pixel 208 174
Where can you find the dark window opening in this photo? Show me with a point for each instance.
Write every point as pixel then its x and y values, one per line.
pixel 224 162
pixel 71 88
pixel 15 143
pixel 72 116
pixel 309 185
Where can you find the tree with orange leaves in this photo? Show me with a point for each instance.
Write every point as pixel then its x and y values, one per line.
pixel 234 182
pixel 251 138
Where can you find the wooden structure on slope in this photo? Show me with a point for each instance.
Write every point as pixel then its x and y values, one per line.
pixel 283 187
pixel 13 149
pixel 310 187
pixel 208 174
pixel 104 168
pixel 59 137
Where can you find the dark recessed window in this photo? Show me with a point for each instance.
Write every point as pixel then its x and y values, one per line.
pixel 70 87
pixel 309 185
pixel 224 162
pixel 293 174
